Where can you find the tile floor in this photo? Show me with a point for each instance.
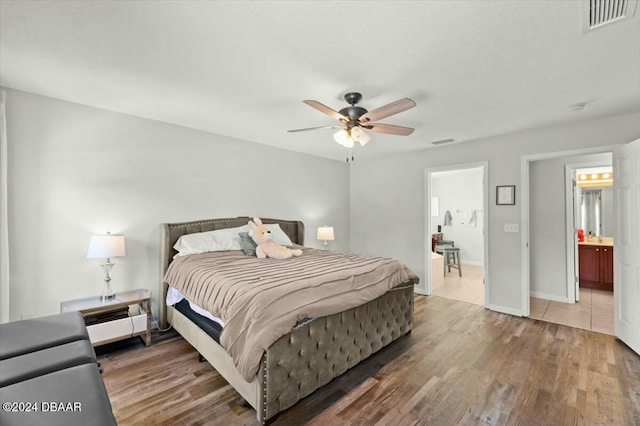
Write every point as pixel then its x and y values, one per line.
pixel 594 311
pixel 468 288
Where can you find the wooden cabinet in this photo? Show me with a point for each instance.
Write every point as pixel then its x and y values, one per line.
pixel 606 259
pixel 589 259
pixel 434 238
pixel 596 266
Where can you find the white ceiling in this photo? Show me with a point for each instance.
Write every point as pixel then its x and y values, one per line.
pixel 475 68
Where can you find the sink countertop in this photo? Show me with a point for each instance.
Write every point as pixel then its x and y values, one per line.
pixel 606 241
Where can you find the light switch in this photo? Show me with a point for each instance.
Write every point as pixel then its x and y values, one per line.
pixel 511 227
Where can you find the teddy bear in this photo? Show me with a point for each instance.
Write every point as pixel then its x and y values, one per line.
pixel 266 247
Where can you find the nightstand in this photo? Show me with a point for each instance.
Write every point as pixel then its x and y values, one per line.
pixel 127 315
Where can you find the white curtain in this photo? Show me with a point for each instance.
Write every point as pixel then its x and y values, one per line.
pixel 4 223
pixel 591 208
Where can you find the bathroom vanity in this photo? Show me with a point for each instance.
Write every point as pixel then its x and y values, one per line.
pixel 596 264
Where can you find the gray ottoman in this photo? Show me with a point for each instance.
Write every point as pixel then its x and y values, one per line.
pixel 69 397
pixel 45 361
pixel 21 337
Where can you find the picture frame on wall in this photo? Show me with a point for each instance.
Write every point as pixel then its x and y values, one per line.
pixel 505 195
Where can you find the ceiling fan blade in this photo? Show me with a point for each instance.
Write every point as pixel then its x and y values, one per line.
pixel 389 129
pixel 388 110
pixel 314 128
pixel 325 109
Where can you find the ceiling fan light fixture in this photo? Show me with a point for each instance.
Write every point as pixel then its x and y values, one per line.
pixel 349 143
pixel 343 138
pixel 360 136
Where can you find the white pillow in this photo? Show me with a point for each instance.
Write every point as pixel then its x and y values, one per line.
pixel 277 234
pixel 218 240
pixel 228 239
pixel 194 243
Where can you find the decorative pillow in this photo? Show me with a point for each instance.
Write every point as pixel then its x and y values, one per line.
pixel 278 235
pixel 247 244
pixel 218 240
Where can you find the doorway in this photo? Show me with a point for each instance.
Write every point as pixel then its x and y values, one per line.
pixel 455 215
pixel 555 214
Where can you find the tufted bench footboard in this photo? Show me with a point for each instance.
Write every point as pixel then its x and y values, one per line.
pixel 318 351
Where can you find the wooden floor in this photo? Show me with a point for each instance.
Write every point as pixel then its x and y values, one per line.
pixel 462 364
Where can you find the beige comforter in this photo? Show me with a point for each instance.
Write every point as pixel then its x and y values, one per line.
pixel 261 300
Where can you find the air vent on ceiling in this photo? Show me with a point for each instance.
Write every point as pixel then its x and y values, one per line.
pixel 602 12
pixel 440 142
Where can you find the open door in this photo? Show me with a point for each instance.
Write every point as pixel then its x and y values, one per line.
pixel 576 225
pixel 572 201
pixel 626 193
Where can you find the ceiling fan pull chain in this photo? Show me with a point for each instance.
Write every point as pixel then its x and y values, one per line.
pixel 350 152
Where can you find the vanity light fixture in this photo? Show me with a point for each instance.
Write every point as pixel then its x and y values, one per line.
pixel 586 180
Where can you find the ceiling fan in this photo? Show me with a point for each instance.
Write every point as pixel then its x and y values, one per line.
pixel 354 120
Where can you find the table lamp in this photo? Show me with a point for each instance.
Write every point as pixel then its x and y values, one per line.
pixel 325 233
pixel 106 246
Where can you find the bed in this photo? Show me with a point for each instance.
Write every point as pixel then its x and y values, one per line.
pixel 312 353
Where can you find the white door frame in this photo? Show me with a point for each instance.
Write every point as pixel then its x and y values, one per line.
pixel 525 160
pixel 484 165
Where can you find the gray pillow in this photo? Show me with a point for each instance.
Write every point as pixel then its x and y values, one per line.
pixel 247 244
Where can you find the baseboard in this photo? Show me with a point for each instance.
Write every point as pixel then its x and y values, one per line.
pixel 419 290
pixel 547 296
pixel 505 310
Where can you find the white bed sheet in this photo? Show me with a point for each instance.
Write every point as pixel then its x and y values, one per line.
pixel 174 296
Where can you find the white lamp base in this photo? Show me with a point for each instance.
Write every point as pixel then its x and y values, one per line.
pixel 107 293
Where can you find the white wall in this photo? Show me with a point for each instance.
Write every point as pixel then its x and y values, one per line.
pixel 387 195
pixel 548 230
pixel 75 171
pixel 460 191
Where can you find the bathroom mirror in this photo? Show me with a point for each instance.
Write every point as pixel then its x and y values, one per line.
pixel 591 211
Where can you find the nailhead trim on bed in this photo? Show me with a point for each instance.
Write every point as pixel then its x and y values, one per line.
pixel 318 351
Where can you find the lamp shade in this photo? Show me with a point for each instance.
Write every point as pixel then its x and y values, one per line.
pixel 325 233
pixel 105 246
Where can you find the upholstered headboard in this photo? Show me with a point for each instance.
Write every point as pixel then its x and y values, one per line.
pixel 172 231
